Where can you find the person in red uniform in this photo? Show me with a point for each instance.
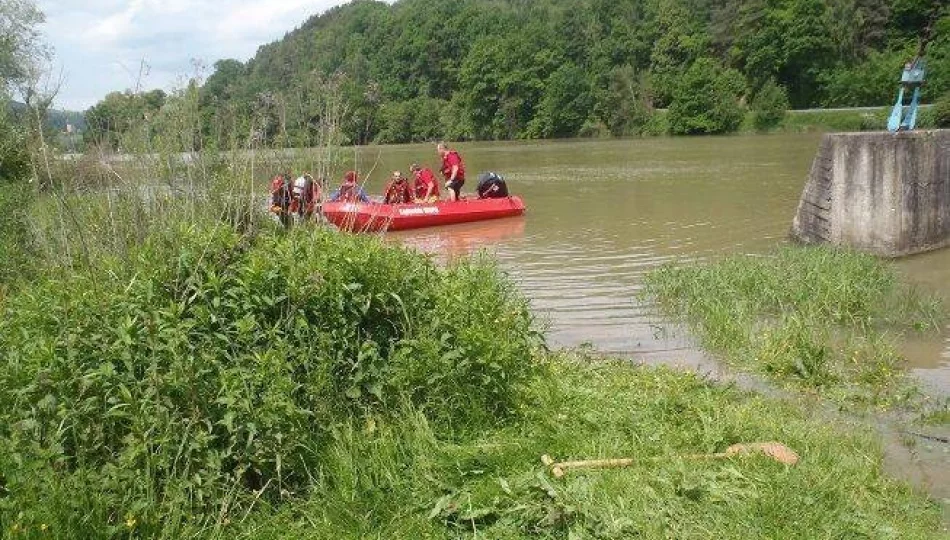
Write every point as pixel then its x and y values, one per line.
pixel 350 190
pixel 397 190
pixel 426 187
pixel 281 198
pixel 306 196
pixel 453 170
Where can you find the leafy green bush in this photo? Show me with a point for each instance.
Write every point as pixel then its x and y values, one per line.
pixel 14 159
pixel 193 384
pixel 769 106
pixel 14 257
pixel 941 111
pixel 705 100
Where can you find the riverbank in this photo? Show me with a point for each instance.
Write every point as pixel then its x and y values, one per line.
pixel 811 120
pixel 494 486
pixel 270 385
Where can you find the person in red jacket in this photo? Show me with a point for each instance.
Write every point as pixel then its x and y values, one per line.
pixel 453 170
pixel 426 187
pixel 306 196
pixel 397 190
pixel 350 190
pixel 281 198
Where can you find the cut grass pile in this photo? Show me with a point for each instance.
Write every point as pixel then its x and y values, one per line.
pixel 817 319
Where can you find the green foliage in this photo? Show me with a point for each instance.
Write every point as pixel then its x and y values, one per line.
pixel 215 370
pixel 942 111
pixel 769 106
pixel 417 119
pixel 706 100
pixel 14 157
pixel 873 82
pixel 626 103
pixel 15 260
pixel 400 481
pixel 21 46
pixel 121 120
pixel 810 317
pixel 680 41
pixel 565 104
pixel 460 69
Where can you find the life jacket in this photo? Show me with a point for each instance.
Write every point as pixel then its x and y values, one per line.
pixel 447 169
pixel 348 193
pixel 397 192
pixel 280 192
pixel 425 178
pixel 311 195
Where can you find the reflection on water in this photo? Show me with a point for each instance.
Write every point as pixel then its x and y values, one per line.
pixel 602 213
pixel 454 241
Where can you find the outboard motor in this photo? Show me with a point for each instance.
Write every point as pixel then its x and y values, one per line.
pixel 491 186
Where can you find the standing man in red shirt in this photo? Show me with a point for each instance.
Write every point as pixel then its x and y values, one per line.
pixel 453 170
pixel 426 186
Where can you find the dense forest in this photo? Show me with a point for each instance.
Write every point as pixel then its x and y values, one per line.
pixel 501 69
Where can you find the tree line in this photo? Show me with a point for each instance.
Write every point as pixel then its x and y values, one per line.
pixel 505 69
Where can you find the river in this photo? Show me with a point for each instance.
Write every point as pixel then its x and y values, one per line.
pixel 603 213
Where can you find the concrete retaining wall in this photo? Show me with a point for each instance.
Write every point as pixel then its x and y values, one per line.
pixel 885 193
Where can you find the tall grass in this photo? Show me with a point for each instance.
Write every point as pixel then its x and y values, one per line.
pixel 409 484
pixel 200 384
pixel 817 318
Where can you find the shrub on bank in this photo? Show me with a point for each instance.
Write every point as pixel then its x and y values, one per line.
pixel 192 385
pixel 706 100
pixel 941 111
pixel 769 106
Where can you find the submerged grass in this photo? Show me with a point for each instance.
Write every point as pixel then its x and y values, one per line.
pixel 818 319
pixel 401 481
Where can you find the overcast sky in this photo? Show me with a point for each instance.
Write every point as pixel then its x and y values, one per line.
pixel 100 44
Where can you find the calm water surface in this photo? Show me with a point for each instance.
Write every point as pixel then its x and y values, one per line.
pixel 603 213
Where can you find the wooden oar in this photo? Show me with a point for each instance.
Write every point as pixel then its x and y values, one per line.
pixel 774 450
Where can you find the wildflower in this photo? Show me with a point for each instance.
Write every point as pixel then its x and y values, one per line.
pixel 130 521
pixel 43 527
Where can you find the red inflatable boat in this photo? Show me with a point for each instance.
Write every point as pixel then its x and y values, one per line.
pixel 398 217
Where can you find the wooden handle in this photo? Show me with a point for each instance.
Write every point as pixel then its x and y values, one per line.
pixel 595 463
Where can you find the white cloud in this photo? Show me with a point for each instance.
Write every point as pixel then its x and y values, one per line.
pixel 100 43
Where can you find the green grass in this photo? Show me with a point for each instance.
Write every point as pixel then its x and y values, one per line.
pixel 401 481
pixel 323 386
pixel 817 319
pixel 206 371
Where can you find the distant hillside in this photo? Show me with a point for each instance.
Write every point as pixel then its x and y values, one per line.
pixel 56 119
pixel 59 118
pixel 499 69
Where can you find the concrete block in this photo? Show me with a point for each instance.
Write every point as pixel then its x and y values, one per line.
pixel 880 192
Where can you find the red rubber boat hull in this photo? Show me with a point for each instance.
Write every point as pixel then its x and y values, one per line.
pixel 399 217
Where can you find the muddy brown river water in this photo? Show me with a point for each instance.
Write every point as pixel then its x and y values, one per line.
pixel 603 213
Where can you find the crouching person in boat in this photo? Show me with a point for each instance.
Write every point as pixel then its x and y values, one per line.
pixel 397 190
pixel 425 185
pixel 281 198
pixel 491 186
pixel 350 190
pixel 306 197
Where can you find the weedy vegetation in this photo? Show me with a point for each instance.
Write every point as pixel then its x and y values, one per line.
pixel 175 365
pixel 401 481
pixel 817 319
